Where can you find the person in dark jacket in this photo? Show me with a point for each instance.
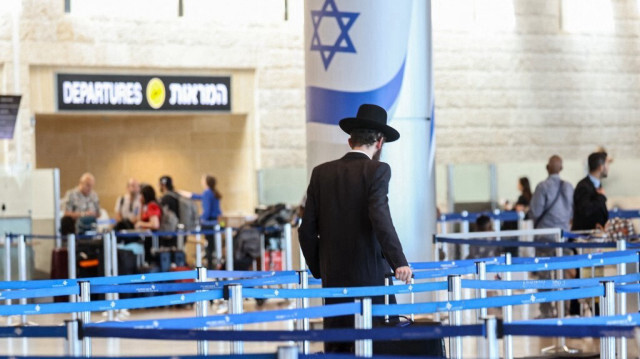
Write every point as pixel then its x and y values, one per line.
pixel 589 200
pixel 347 235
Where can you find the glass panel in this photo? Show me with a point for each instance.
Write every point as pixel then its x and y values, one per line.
pixel 282 185
pixel 471 183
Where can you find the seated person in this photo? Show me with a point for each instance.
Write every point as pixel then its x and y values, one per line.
pixel 81 206
pixel 128 206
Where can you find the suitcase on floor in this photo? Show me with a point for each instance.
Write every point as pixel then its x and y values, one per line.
pixel 60 268
pixel 89 259
pixel 433 348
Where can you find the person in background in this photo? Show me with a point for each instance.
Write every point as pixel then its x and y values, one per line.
pixel 589 200
pixel 169 196
pixel 522 204
pixel 552 207
pixel 128 206
pixel 552 201
pixel 150 215
pixel 210 201
pixel 483 224
pixel 81 206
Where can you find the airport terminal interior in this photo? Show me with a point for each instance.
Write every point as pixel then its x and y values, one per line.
pixel 165 191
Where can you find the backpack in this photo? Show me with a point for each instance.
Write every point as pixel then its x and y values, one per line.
pixel 188 211
pixel 168 220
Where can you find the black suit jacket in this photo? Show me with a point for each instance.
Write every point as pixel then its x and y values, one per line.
pixel 589 206
pixel 347 236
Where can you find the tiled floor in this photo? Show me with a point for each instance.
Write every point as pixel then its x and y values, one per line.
pixel 523 346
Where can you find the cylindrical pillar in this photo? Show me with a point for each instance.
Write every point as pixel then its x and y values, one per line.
pixel 288 352
pixel 491 337
pixel 198 247
pixel 228 237
pixel 607 308
pixel 85 317
pixel 481 274
pixel 507 311
pixel 364 348
pixel 201 311
pixel 622 300
pixel 302 303
pixel 72 344
pixel 392 68
pixel 235 307
pixel 286 233
pixel 455 317
pixel 217 237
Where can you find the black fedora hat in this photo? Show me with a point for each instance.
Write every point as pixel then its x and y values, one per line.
pixel 370 117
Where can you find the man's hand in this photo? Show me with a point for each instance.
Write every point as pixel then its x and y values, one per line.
pixel 601 191
pixel 404 274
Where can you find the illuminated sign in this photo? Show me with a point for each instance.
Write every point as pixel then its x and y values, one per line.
pixel 82 92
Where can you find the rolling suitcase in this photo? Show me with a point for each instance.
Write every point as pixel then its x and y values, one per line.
pixel 432 348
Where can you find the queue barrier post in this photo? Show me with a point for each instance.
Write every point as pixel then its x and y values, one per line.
pixel 491 338
pixel 201 311
pixel 287 352
pixel 22 270
pixel 155 243
pixel 608 308
pixel 507 311
pixel 464 228
pixel 228 237
pixel 621 245
pixel 217 237
pixel 71 251
pixel 412 296
pixel 233 294
pixel 198 247
pixel 108 257
pixel 303 303
pixel 455 317
pixel 85 317
pixel 387 282
pixel 181 237
pixel 364 348
pixel 286 232
pixel 7 266
pixel 436 257
pixel 481 274
pixel 496 221
pixel 72 343
pixel 303 261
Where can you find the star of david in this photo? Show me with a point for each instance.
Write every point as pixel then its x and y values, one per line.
pixel 343 42
pixel 533 298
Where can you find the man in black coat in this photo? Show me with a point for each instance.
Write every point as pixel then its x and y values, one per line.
pixel 347 235
pixel 589 201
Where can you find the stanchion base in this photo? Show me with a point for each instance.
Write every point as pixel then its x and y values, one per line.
pixel 560 349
